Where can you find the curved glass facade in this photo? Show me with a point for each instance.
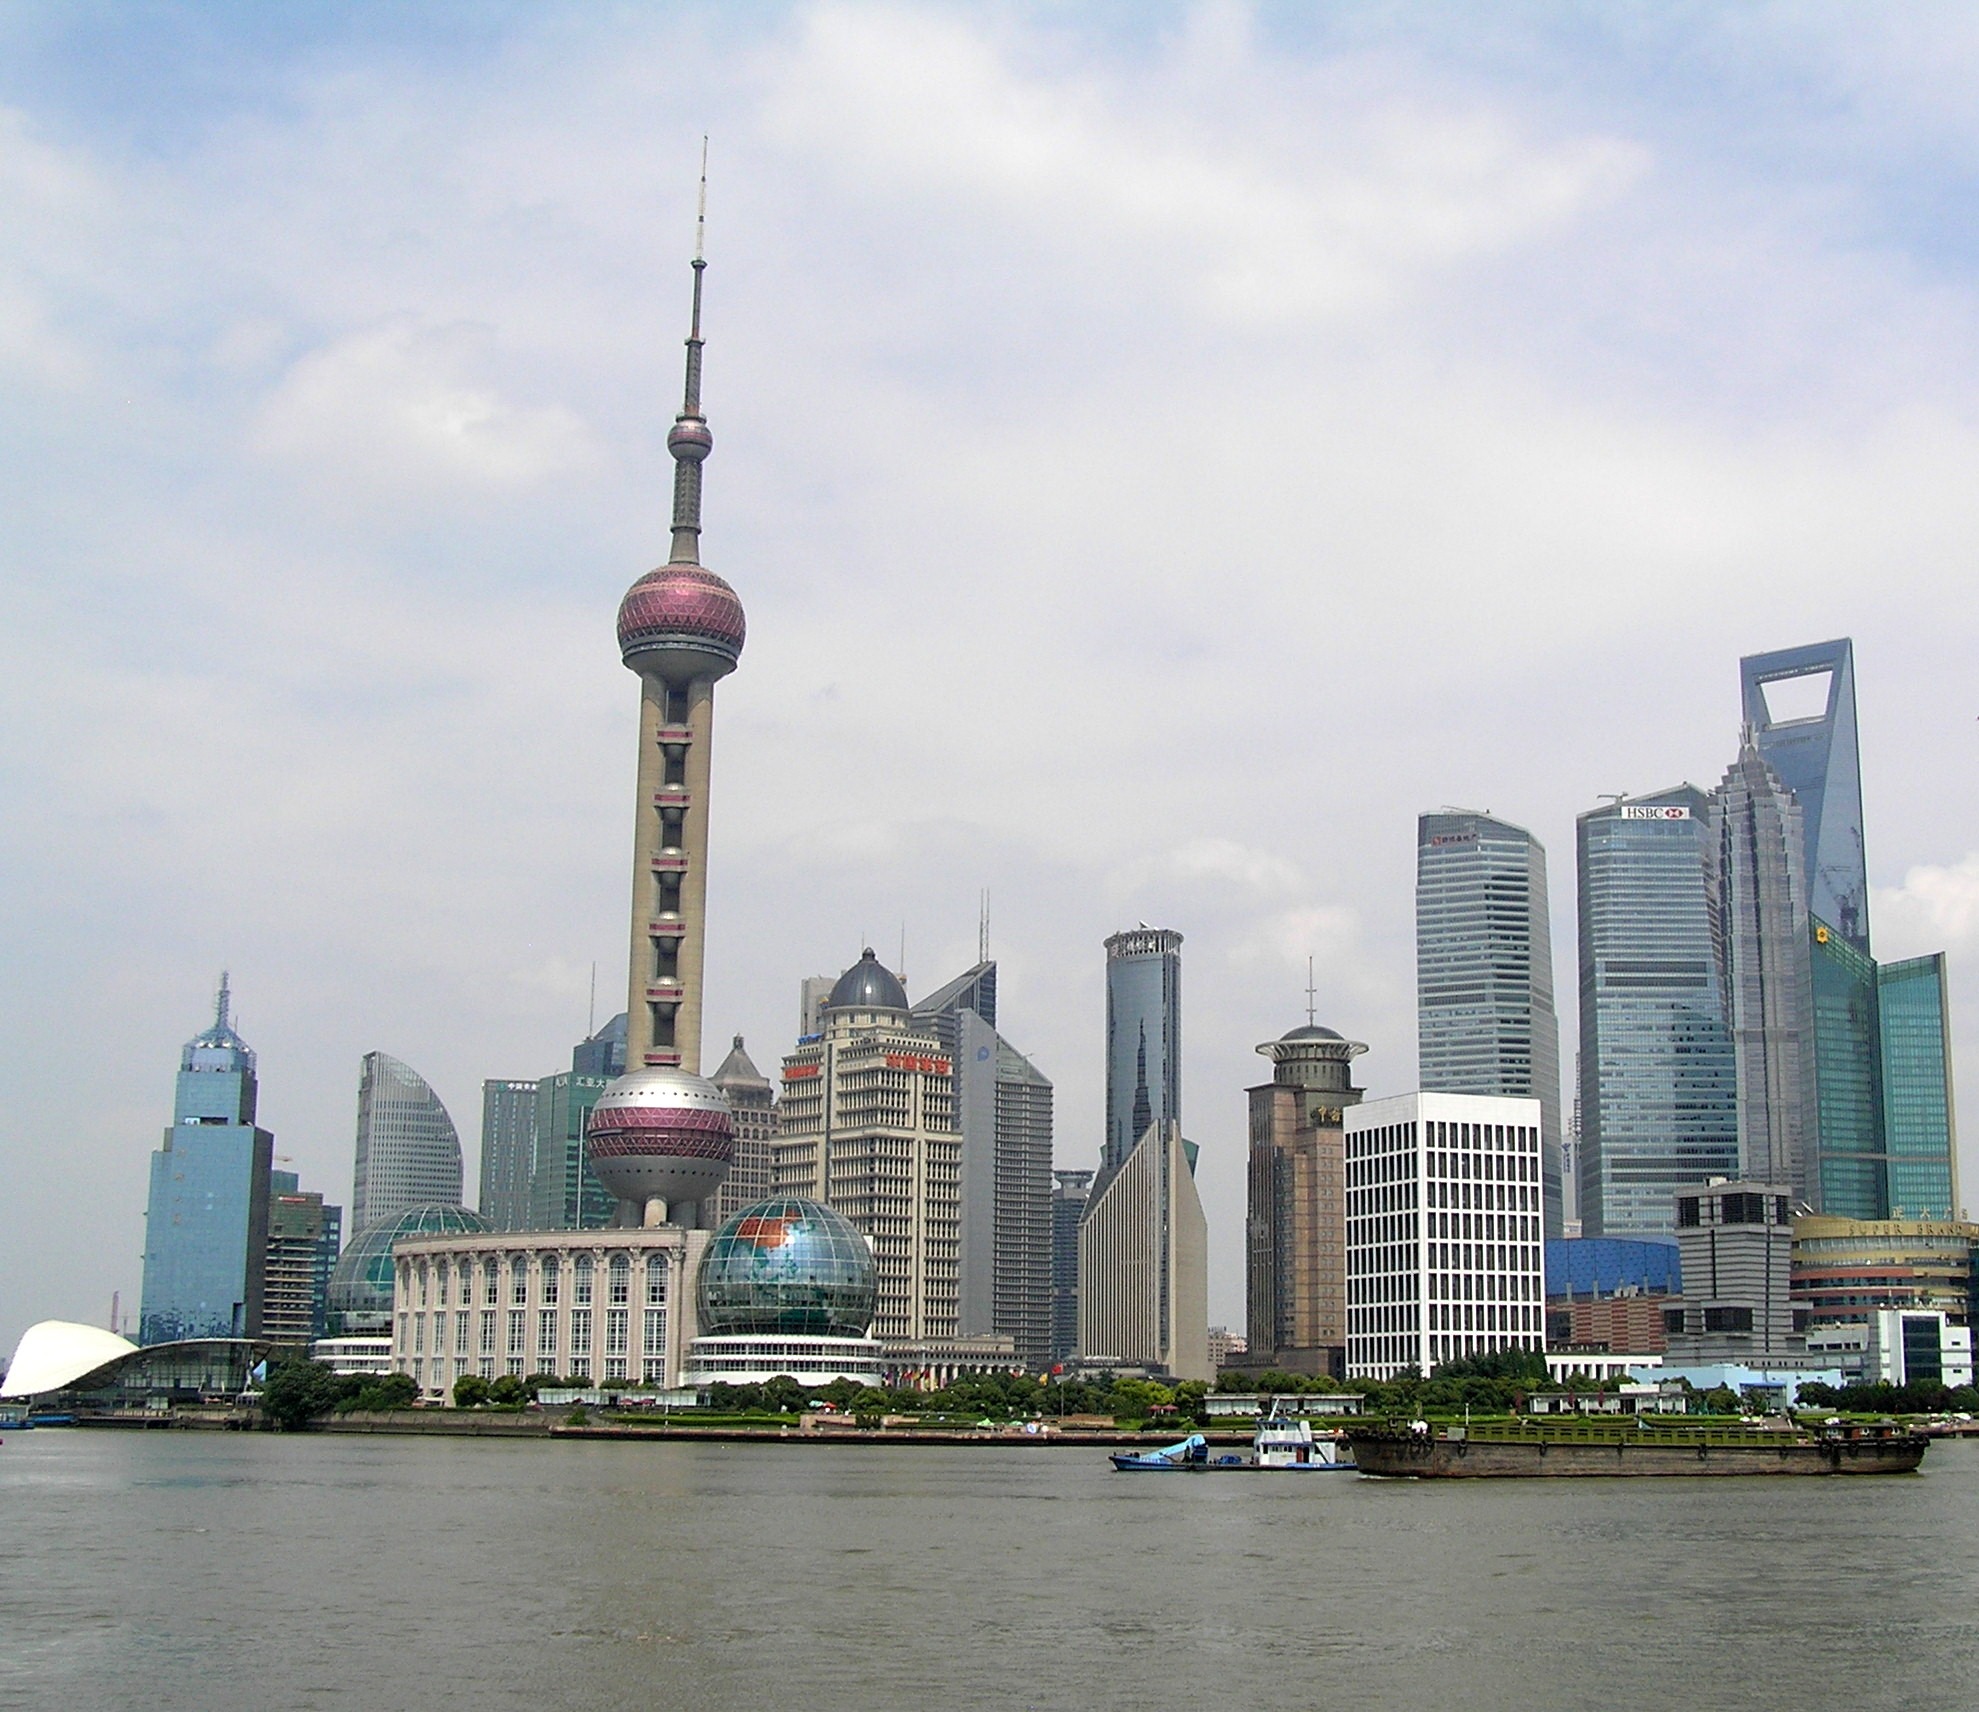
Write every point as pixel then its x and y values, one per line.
pixel 787 1265
pixel 361 1286
pixel 408 1154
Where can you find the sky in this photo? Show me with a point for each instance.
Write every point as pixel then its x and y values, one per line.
pixel 1161 450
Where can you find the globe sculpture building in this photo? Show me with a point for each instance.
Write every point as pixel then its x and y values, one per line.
pixel 786 1287
pixel 661 1137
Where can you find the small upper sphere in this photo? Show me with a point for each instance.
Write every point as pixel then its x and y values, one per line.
pixel 689 440
pixel 683 620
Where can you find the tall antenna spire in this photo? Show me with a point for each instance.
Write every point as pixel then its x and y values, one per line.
pixel 982 929
pixel 1312 1006
pixel 223 1004
pixel 689 440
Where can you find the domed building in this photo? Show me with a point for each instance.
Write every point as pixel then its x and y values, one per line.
pixel 1296 1231
pixel 361 1286
pixel 786 1287
pixel 867 1123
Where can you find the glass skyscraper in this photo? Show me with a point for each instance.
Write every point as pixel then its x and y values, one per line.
pixel 1003 1108
pixel 1658 1093
pixel 508 1152
pixel 1485 1022
pixel 206 1222
pixel 1143 1040
pixel 1760 895
pixel 1918 1133
pixel 408 1153
pixel 1851 1163
pixel 1799 705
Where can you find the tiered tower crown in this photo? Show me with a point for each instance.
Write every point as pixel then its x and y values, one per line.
pixel 681 621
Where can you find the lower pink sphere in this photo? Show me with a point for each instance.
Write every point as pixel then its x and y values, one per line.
pixel 660 1132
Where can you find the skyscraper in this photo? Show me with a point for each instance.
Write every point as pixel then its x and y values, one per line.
pixel 661 1137
pixel 508 1152
pixel 1143 1038
pixel 1144 1262
pixel 408 1153
pixel 206 1221
pixel 305 1237
pixel 1444 1257
pixel 1918 1129
pixel 867 1126
pixel 1800 708
pixel 1296 1217
pixel 1852 1166
pixel 1069 1190
pixel 752 1102
pixel 1659 1087
pixel 564 1191
pixel 1485 1022
pixel 1003 1110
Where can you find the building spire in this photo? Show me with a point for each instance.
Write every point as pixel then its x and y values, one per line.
pixel 222 1005
pixel 689 440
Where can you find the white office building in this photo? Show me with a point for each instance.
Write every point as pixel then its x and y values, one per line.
pixel 1446 1250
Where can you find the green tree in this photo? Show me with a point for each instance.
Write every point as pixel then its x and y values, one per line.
pixel 506 1392
pixel 784 1395
pixel 296 1391
pixel 470 1391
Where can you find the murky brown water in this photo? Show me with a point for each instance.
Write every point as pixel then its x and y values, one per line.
pixel 215 1571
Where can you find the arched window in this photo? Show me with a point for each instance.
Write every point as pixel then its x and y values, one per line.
pixel 656 1280
pixel 621 1280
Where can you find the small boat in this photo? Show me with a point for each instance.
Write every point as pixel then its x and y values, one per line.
pixel 1284 1442
pixel 1191 1453
pixel 1280 1443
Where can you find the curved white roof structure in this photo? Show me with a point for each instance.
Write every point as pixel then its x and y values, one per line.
pixel 56 1353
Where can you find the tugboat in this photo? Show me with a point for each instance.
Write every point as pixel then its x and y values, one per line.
pixel 1632 1446
pixel 1280 1443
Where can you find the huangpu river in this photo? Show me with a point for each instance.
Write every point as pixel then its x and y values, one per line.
pixel 218 1571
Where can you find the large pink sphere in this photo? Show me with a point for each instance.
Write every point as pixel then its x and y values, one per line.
pixel 660 1132
pixel 681 621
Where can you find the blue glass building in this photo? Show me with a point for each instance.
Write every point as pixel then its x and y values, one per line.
pixel 1658 1082
pixel 1914 1013
pixel 1597 1266
pixel 1851 1161
pixel 1485 1022
pixel 1143 1040
pixel 1800 708
pixel 408 1153
pixel 206 1221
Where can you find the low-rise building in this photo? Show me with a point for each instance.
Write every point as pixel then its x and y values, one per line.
pixel 1916 1347
pixel 1845 1270
pixel 613 1304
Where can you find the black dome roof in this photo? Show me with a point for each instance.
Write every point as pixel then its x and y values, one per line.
pixel 868 986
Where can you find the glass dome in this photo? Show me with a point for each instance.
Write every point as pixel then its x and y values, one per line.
pixel 361 1286
pixel 787 1265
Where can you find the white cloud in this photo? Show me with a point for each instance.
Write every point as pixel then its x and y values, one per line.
pixel 404 403
pixel 1935 909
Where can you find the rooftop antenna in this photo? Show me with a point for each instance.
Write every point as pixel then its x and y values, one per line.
pixel 223 1004
pixel 1312 1006
pixel 982 928
pixel 591 1016
pixel 902 970
pixel 689 441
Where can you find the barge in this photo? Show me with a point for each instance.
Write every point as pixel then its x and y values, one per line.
pixel 1557 1449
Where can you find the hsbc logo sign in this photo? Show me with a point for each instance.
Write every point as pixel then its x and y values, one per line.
pixel 1638 811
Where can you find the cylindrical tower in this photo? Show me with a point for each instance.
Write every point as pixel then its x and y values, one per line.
pixel 661 1135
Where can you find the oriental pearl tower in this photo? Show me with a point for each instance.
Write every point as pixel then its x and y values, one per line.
pixel 661 1137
